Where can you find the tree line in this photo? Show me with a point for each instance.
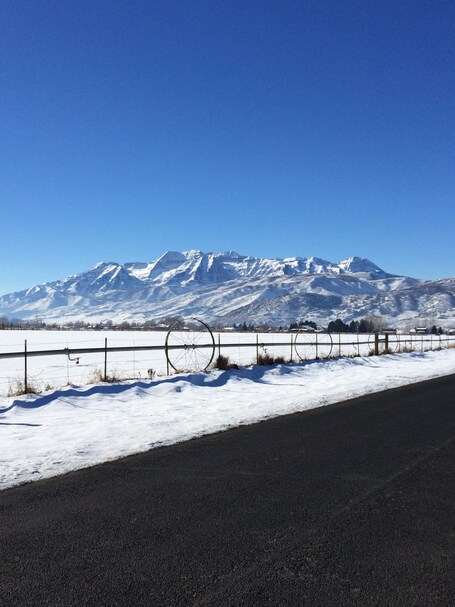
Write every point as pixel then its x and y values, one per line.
pixel 368 325
pixel 365 325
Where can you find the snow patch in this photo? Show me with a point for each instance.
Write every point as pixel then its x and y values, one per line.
pixel 76 427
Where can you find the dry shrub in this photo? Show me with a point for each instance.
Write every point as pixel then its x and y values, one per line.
pixel 222 363
pixel 17 388
pixel 265 360
pixel 97 377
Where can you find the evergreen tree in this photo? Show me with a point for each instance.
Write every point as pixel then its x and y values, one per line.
pixel 354 326
pixel 310 323
pixel 365 326
pixel 337 326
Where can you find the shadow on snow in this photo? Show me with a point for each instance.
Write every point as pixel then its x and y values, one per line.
pixel 202 379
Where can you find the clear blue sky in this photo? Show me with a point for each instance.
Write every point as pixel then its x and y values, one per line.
pixel 273 128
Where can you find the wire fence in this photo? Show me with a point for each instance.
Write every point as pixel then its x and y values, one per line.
pixel 53 359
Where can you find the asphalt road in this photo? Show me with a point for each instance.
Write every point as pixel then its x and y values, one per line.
pixel 352 504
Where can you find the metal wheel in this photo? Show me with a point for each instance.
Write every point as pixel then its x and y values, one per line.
pixel 190 345
pixel 310 345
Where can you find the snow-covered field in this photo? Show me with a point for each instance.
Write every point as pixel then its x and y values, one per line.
pixel 75 427
pixel 57 371
pixel 52 372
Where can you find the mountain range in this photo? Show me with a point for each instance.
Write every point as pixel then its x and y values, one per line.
pixel 230 288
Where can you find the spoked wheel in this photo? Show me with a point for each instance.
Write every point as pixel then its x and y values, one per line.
pixel 310 345
pixel 190 345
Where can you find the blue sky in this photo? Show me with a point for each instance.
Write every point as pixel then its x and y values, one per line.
pixel 273 128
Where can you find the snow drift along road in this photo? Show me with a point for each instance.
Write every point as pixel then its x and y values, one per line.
pixel 47 435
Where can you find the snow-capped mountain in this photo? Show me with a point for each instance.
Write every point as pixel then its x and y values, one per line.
pixel 228 287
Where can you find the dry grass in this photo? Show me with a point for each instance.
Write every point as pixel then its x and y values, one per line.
pixel 222 363
pixel 267 360
pixel 406 349
pixel 17 388
pixel 97 377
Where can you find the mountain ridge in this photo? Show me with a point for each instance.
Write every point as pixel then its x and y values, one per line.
pixel 228 287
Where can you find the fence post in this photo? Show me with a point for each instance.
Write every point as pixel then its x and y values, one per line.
pixel 339 344
pixel 290 360
pixel 376 344
pixel 386 345
pixel 105 359
pixel 219 344
pixel 257 349
pixel 25 367
pixel 316 345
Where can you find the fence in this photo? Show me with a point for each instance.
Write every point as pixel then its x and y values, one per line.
pixel 195 349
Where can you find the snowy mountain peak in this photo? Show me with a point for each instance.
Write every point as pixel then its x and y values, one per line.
pixel 171 257
pixel 193 254
pixel 317 265
pixel 358 264
pixel 230 254
pixel 105 264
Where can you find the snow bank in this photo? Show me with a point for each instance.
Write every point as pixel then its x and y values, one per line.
pixel 46 435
